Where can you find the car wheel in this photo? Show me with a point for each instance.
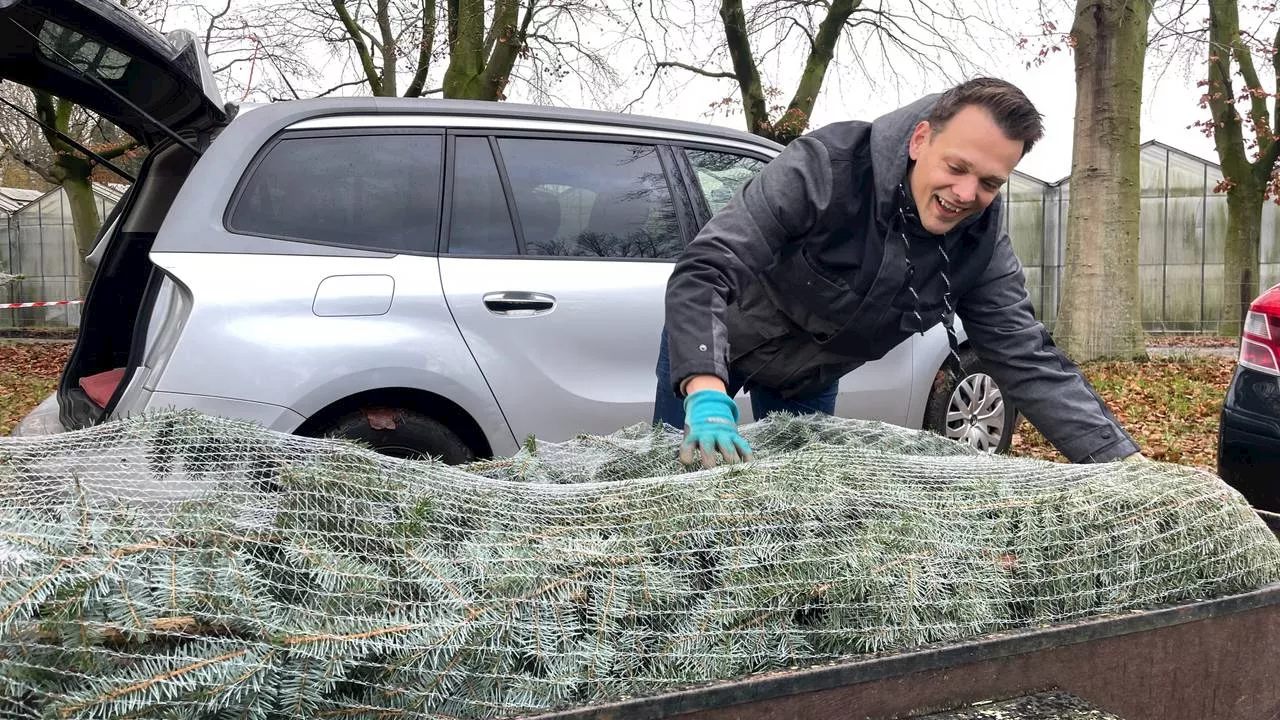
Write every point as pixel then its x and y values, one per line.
pixel 969 407
pixel 402 434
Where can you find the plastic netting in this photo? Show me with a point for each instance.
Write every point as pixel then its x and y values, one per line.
pixel 182 566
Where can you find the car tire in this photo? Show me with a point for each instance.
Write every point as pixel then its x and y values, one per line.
pixel 401 433
pixel 969 407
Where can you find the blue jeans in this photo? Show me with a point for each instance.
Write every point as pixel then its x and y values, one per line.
pixel 669 408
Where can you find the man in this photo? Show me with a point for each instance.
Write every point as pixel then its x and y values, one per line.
pixel 856 236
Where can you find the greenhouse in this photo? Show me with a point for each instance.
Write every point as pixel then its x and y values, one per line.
pixel 1182 234
pixel 38 242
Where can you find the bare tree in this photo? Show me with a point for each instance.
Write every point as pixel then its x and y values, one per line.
pixel 1220 42
pixel 1246 143
pixel 22 147
pixel 58 162
pixel 483 45
pixel 251 59
pixel 881 41
pixel 1100 314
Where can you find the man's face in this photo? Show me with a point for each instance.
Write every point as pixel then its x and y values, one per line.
pixel 960 169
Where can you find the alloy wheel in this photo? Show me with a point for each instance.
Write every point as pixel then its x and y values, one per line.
pixel 976 413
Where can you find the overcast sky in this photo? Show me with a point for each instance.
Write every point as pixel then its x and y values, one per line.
pixel 1170 96
pixel 1170 102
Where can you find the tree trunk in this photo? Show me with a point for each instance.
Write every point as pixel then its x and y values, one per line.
pixel 503 46
pixel 84 212
pixel 1246 180
pixel 1100 314
pixel 464 78
pixel 1240 272
pixel 738 41
pixel 795 120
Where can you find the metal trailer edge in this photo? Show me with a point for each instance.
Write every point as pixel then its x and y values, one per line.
pixel 1216 659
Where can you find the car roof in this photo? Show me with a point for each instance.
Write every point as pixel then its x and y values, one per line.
pixel 321 107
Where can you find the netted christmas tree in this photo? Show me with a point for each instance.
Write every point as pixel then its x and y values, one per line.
pixel 181 566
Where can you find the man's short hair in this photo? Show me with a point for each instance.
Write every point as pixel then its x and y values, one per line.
pixel 1009 107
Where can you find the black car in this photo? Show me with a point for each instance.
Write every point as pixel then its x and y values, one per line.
pixel 1249 427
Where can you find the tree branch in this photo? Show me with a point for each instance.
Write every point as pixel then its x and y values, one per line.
pixel 508 43
pixel 48 115
pixel 354 33
pixel 1271 151
pixel 697 70
pixel 213 21
pixel 425 48
pixel 116 151
pixel 1257 94
pixel 26 161
pixel 808 35
pixel 339 86
pixel 652 76
pixel 1228 135
pixel 502 9
pixel 815 67
pixel 738 40
pixel 388 46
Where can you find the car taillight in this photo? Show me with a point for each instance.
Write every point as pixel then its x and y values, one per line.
pixel 1260 341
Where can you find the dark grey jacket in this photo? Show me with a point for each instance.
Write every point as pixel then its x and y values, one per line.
pixel 809 272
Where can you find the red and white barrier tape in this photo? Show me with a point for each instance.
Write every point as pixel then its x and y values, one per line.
pixel 11 306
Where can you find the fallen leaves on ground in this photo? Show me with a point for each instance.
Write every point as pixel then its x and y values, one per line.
pixel 28 373
pixel 1170 407
pixel 1191 341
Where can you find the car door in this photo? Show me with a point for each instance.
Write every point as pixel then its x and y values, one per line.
pixel 556 257
pixel 879 390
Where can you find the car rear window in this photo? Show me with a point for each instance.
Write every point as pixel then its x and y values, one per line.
pixel 591 199
pixel 721 175
pixel 480 223
pixel 379 192
pixel 59 43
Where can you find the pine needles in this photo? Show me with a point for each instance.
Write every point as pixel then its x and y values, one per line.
pixel 183 566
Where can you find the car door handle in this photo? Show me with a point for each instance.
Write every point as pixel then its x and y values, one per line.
pixel 519 303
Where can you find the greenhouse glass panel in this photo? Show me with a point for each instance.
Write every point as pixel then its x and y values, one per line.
pixel 1185 236
pixel 1184 298
pixel 1024 218
pixel 1213 296
pixel 1215 228
pixel 1154 163
pixel 5 254
pixel 1269 253
pixel 1151 280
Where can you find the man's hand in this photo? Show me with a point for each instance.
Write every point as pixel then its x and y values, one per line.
pixel 711 427
pixel 1135 457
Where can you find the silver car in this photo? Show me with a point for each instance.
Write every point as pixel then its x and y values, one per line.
pixel 431 277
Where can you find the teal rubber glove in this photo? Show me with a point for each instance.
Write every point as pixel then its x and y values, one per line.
pixel 711 427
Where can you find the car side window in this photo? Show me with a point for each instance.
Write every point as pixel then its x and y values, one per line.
pixel 479 223
pixel 721 174
pixel 377 191
pixel 579 198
